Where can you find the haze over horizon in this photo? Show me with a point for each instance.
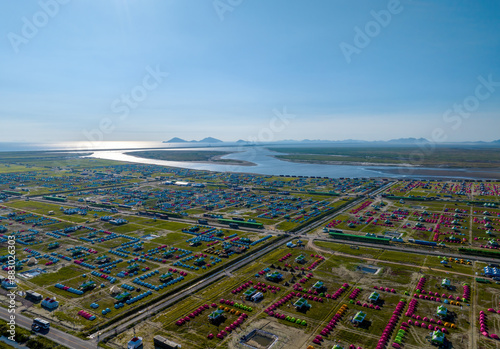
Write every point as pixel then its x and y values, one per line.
pixel 130 70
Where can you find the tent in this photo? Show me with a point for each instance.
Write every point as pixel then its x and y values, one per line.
pixel 374 297
pixel 358 318
pixel 441 311
pixel 32 261
pixel 437 337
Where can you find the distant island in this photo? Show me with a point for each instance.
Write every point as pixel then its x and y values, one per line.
pixel 204 140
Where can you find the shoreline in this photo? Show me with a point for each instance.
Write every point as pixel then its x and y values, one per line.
pixel 372 171
pixel 346 163
pixel 374 164
pixel 215 160
pixel 445 172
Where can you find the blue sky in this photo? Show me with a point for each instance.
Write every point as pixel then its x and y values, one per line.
pixel 232 63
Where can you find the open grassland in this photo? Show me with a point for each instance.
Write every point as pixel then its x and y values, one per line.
pixel 187 155
pixel 80 239
pixel 400 276
pixel 452 157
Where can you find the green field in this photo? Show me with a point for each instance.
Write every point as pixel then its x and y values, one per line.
pixel 146 245
pixel 187 155
pixel 440 156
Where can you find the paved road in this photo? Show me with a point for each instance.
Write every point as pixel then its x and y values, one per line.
pixel 123 326
pixel 311 245
pixel 144 314
pixel 211 222
pixel 77 343
pixel 409 249
pixel 54 334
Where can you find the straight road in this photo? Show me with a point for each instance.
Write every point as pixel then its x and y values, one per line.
pixel 211 222
pixel 123 326
pixel 186 292
pixel 409 249
pixel 54 334
pixel 77 343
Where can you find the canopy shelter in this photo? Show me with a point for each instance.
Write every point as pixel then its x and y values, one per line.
pixel 249 293
pixel 216 315
pixel 374 297
pixel 358 318
pixel 319 285
pixel 300 259
pixel 442 311
pixel 302 304
pixel 275 276
pixel 437 337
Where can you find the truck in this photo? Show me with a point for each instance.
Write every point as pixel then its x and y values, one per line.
pixel 40 325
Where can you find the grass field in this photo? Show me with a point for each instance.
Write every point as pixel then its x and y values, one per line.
pixel 473 157
pixel 102 189
pixel 187 155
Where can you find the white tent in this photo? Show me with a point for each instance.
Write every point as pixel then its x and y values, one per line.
pixel 32 261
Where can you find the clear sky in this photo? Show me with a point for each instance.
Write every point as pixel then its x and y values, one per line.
pixel 113 70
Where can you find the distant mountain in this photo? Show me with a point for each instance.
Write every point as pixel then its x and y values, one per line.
pixel 210 140
pixel 408 140
pixel 319 141
pixel 402 141
pixel 176 140
pixel 204 140
pixel 495 143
